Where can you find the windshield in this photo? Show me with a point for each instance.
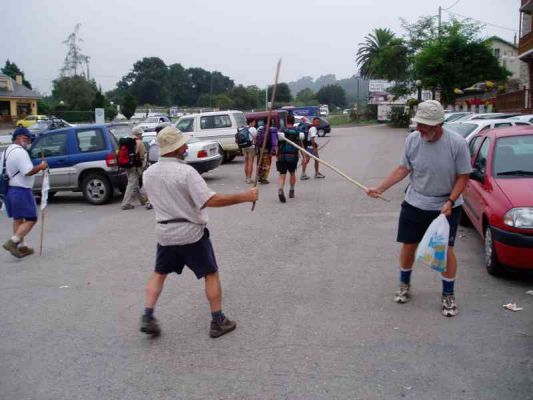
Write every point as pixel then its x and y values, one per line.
pixel 152 120
pixel 185 124
pixel 462 129
pixel 513 156
pixel 39 125
pixel 240 119
pixel 120 131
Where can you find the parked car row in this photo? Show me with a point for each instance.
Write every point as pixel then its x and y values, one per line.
pixel 461 116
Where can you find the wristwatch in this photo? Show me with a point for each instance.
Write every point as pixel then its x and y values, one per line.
pixel 451 201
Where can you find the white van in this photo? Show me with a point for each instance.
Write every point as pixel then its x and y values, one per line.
pixel 220 126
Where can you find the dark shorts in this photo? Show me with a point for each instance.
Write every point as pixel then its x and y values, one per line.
pixel 284 166
pixel 20 204
pixel 199 257
pixel 414 222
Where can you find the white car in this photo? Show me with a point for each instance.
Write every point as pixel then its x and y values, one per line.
pixel 495 115
pixel 523 118
pixel 468 129
pixel 448 117
pixel 150 123
pixel 203 156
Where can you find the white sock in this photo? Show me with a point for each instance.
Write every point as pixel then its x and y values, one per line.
pixel 16 239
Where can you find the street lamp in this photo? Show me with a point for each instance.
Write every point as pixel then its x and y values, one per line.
pixel 418 84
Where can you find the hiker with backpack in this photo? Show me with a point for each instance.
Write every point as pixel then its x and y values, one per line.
pixel 17 178
pixel 264 163
pixel 311 145
pixel 131 156
pixel 180 197
pixel 245 139
pixel 288 158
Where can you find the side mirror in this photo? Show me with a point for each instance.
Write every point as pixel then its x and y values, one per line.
pixel 477 175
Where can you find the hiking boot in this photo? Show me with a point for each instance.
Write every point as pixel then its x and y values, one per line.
pixel 449 307
pixel 264 181
pixel 402 295
pixel 26 251
pixel 149 205
pixel 318 175
pixel 248 181
pixel 291 194
pixel 150 326
pixel 11 246
pixel 281 196
pixel 218 330
pixel 127 207
pixel 304 177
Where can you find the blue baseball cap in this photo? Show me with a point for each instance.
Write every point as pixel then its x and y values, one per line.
pixel 21 131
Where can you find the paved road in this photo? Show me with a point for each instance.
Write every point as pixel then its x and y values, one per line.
pixel 310 284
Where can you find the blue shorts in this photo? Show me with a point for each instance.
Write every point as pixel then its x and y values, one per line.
pixel 20 204
pixel 414 222
pixel 198 256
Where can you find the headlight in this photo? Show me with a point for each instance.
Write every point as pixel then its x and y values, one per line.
pixel 519 217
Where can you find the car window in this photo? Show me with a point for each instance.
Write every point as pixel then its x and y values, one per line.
pixel 502 124
pixel 50 145
pixel 481 159
pixel 463 129
pixel 240 119
pixel 31 118
pixel 474 145
pixel 185 124
pixel 215 121
pixel 90 140
pixel 513 154
pixel 522 124
pixel 485 128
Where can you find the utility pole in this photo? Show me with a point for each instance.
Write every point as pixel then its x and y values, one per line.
pixel 440 18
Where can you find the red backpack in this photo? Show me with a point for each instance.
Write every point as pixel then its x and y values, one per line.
pixel 127 156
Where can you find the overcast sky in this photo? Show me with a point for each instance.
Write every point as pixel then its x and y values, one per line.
pixel 242 39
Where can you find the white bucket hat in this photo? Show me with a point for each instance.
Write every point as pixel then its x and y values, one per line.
pixel 137 131
pixel 170 139
pixel 430 112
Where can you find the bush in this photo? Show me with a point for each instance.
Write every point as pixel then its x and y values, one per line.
pixel 400 117
pixel 75 116
pixel 371 112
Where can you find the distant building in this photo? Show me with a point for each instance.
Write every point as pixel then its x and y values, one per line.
pixel 16 100
pixel 507 55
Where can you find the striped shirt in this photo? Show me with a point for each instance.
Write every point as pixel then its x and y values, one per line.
pixel 177 191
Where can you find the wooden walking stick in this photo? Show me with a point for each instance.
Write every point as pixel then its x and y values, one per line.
pixel 318 151
pixel 335 169
pixel 43 210
pixel 267 127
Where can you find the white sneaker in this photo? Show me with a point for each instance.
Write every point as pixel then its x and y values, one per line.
pixel 402 295
pixel 449 306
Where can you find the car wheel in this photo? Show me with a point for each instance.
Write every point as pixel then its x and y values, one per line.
pixel 491 261
pixel 321 133
pixel 96 189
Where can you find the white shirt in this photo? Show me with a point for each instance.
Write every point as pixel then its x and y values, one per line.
pixel 176 190
pixel 18 160
pixel 253 132
pixel 313 133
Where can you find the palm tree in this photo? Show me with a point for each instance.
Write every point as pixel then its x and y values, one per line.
pixel 369 57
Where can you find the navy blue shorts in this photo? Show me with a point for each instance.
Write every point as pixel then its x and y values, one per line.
pixel 198 256
pixel 20 204
pixel 284 166
pixel 414 222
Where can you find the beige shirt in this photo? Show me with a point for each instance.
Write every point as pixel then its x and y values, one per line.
pixel 176 190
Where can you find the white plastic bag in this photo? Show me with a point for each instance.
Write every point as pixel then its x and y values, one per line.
pixel 433 248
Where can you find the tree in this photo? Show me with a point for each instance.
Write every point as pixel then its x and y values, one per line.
pixel 75 91
pixel 148 82
pixel 223 102
pixel 180 85
pixel 75 60
pixel 332 95
pixel 241 98
pixel 306 97
pixel 129 105
pixel 12 70
pixel 382 56
pixel 283 94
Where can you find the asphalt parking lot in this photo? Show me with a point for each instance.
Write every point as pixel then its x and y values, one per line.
pixel 310 284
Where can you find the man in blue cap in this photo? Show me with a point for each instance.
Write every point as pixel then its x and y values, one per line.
pixel 20 203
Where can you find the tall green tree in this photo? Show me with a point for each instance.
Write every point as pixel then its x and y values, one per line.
pixel 180 85
pixel 75 91
pixel 332 95
pixel 382 56
pixel 12 70
pixel 148 82
pixel 129 105
pixel 283 94
pixel 306 97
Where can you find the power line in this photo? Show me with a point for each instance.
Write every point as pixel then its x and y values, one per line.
pixel 449 8
pixel 483 22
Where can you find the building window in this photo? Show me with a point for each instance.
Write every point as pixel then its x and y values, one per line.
pixel 497 53
pixel 526 24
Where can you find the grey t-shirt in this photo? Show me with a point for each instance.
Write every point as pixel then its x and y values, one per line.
pixel 434 167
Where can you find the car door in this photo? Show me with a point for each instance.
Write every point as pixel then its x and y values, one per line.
pixel 55 147
pixel 89 151
pixel 475 188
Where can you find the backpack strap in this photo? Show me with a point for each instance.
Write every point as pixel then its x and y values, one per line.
pixel 4 163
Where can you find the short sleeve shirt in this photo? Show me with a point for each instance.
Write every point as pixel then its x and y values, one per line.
pixel 18 164
pixel 253 132
pixel 177 191
pixel 434 167
pixel 313 133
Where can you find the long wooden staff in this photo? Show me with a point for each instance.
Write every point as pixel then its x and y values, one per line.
pixel 338 171
pixel 267 127
pixel 43 213
pixel 318 151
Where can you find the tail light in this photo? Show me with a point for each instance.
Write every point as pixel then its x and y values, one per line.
pixel 202 154
pixel 111 159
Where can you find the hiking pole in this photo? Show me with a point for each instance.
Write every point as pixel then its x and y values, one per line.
pixel 319 149
pixel 281 136
pixel 267 127
pixel 43 210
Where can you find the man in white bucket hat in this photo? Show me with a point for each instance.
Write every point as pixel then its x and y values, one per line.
pixel 437 162
pixel 179 196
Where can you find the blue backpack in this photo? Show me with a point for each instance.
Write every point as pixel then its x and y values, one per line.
pixel 4 178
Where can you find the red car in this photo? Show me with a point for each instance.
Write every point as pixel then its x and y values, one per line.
pixel 498 199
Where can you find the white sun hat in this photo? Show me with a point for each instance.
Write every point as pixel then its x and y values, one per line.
pixel 170 139
pixel 430 112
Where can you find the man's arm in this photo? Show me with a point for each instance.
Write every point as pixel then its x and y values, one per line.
pixel 399 173
pixel 224 200
pixel 39 167
pixel 458 188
